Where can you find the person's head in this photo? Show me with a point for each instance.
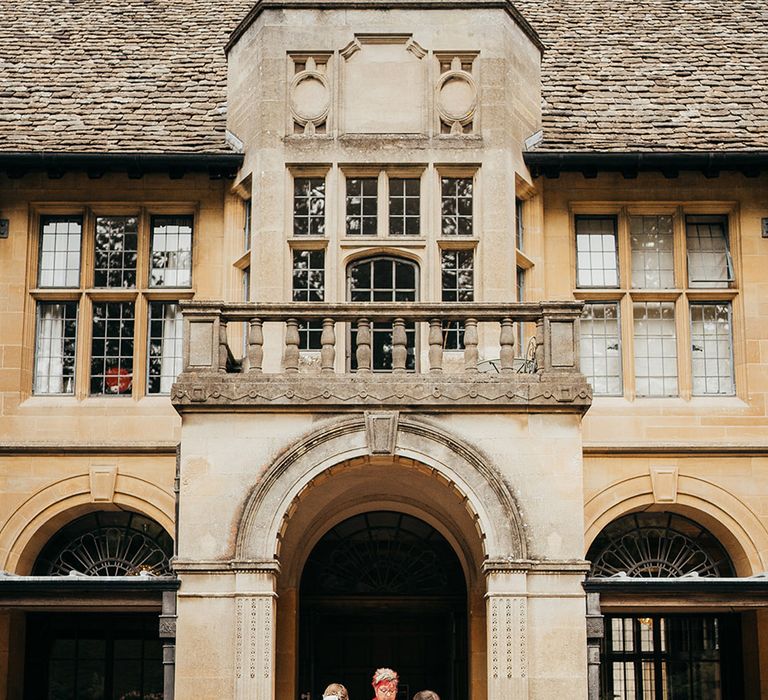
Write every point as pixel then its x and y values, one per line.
pixel 335 691
pixel 385 684
pixel 426 695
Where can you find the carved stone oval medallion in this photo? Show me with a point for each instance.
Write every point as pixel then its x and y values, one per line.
pixel 456 97
pixel 310 97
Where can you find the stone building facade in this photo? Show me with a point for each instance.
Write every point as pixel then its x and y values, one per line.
pixel 339 334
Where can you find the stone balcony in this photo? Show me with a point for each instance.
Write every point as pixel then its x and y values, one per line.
pixel 490 373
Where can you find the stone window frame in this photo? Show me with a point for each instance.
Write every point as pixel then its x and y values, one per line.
pixel 682 294
pixel 85 294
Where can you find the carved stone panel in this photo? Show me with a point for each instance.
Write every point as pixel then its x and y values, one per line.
pixel 508 647
pixel 254 647
pixel 381 431
pixel 310 94
pixel 384 81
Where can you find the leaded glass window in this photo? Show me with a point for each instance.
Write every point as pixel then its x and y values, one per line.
pixel 652 243
pixel 712 348
pixel 384 279
pixel 166 334
pixel 601 347
pixel 309 285
pixel 171 256
pixel 456 206
pixel 309 206
pixel 112 348
pixel 458 284
pixel 362 206
pixel 709 257
pixel 116 251
pixel 60 241
pixel 404 206
pixel 597 260
pixel 55 347
pixel 655 348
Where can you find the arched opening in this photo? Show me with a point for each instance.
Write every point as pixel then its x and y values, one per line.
pixel 383 279
pixel 99 637
pixel 669 631
pixel 383 588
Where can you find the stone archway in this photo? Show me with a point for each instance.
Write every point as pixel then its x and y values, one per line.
pixel 380 461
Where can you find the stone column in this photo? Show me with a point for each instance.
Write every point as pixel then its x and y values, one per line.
pixel 167 632
pixel 255 609
pixel 595 634
pixel 507 608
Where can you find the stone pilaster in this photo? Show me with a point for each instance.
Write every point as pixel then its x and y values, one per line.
pixel 507 608
pixel 255 609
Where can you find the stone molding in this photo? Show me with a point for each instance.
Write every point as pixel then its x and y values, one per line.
pixel 498 519
pixel 534 393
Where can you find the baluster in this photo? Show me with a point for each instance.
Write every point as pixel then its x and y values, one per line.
pixel 471 356
pixel 363 351
pixel 328 351
pixel 255 345
pixel 435 345
pixel 291 355
pixel 399 346
pixel 539 345
pixel 507 341
pixel 223 348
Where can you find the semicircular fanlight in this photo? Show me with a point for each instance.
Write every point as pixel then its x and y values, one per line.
pixel 383 554
pixel 657 545
pixel 107 544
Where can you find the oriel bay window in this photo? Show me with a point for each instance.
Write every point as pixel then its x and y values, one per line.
pixel 107 317
pixel 659 288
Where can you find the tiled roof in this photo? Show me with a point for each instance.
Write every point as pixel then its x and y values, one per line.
pixel 148 76
pixel 653 75
pixel 119 76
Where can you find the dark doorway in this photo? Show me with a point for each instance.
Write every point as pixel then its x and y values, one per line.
pixel 93 656
pixel 383 589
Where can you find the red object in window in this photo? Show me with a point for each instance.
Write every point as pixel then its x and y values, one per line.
pixel 118 380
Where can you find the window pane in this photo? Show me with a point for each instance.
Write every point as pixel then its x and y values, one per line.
pixel 171 251
pixel 56 341
pixel 655 348
pixel 652 257
pixel 112 348
pixel 166 333
pixel 309 206
pixel 247 224
pixel 309 285
pixel 458 284
pixel 709 260
pixel 456 206
pixel 712 349
pixel 520 229
pixel 596 252
pixel 601 348
pixel 115 251
pixel 60 251
pixel 404 198
pixel 362 199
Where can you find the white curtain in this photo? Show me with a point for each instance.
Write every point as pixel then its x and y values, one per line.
pixel 49 371
pixel 170 360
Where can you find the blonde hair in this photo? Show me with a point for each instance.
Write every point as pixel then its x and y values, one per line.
pixel 384 675
pixel 337 689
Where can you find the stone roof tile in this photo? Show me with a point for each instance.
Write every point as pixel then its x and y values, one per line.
pixel 149 76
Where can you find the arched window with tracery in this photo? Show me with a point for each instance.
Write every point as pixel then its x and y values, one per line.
pixel 107 543
pixel 383 279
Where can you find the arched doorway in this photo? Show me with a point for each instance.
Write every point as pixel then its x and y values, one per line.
pixel 383 588
pixel 383 279
pixel 99 637
pixel 666 639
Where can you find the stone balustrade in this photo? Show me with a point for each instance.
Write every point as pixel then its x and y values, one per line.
pixel 213 374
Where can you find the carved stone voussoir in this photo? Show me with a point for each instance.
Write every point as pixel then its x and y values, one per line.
pixel 517 393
